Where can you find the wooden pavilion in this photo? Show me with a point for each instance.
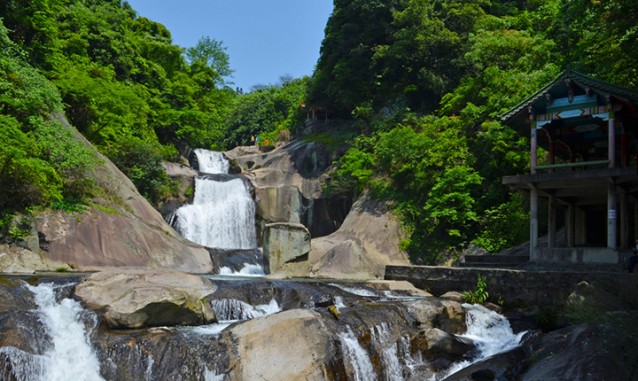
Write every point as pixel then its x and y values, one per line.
pixel 584 159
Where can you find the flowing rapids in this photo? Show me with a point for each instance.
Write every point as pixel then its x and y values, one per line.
pixel 69 355
pixel 489 331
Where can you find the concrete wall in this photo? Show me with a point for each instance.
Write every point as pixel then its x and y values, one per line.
pixel 577 255
pixel 541 288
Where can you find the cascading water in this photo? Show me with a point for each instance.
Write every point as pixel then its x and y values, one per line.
pixel 489 331
pixel 211 161
pixel 223 212
pixel 69 355
pixel 356 358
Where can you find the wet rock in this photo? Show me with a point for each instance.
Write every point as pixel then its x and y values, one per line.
pixel 501 367
pixel 135 298
pixel 17 316
pixel 398 286
pixel 454 296
pixel 444 348
pixel 235 259
pixel 288 185
pixel 603 351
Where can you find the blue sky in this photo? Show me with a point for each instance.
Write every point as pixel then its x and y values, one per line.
pixel 265 39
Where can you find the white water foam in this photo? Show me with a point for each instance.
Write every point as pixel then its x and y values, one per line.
pixel 236 310
pixel 222 215
pixel 70 356
pixel 489 331
pixel 210 375
pixel 356 357
pixel 359 291
pixel 248 270
pixel 211 161
pixel 381 338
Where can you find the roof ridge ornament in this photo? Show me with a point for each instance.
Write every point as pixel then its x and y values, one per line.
pixel 570 90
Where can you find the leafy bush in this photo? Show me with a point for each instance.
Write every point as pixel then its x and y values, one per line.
pixel 480 294
pixel 141 161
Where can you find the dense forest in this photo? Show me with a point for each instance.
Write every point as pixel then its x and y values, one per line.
pixel 419 84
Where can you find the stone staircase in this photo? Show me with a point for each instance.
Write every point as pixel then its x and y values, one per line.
pixel 495 261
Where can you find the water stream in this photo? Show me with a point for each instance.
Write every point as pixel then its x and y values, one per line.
pixel 489 331
pixel 222 214
pixel 66 327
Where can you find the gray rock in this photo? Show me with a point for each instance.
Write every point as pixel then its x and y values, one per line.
pixel 285 242
pixel 291 345
pixel 136 298
pixel 367 241
pixel 14 259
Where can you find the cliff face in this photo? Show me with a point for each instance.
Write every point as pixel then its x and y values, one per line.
pixel 349 240
pixel 124 231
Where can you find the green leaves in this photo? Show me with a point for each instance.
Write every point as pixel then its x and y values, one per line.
pixel 211 53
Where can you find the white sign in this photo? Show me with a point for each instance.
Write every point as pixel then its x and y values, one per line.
pixel 611 214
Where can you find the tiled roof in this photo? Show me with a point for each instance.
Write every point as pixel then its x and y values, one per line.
pixel 557 88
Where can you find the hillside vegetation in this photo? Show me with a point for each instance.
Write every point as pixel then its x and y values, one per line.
pixel 420 83
pixel 425 82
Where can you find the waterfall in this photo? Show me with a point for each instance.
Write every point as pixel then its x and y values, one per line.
pixel 247 270
pixel 355 357
pixel 223 212
pixel 489 331
pixel 211 161
pixel 389 352
pixel 69 355
pixel 233 309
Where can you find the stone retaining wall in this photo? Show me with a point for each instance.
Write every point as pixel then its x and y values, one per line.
pixel 542 288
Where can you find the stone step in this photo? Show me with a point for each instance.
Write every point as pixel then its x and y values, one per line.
pixel 495 265
pixel 500 259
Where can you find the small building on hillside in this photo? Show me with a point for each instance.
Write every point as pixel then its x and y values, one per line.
pixel 584 157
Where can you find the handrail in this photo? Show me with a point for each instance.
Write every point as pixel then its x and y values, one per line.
pixel 573 165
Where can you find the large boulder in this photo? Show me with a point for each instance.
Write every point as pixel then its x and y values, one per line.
pixel 123 230
pixel 285 242
pixel 136 298
pixel 291 345
pixel 366 242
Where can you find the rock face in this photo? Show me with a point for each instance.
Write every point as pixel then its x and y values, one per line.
pixel 184 177
pixel 15 259
pixel 367 241
pixel 128 231
pixel 285 242
pixel 288 185
pixel 348 241
pixel 292 345
pixel 135 298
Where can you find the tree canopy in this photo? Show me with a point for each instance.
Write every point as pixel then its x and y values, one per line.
pixel 420 82
pixel 433 77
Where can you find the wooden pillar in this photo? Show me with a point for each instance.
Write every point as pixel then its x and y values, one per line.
pixel 533 149
pixel 611 138
pixel 551 222
pixel 533 222
pixel 624 219
pixel 570 225
pixel 611 215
